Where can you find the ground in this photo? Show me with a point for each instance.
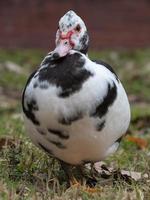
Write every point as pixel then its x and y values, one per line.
pixel 28 173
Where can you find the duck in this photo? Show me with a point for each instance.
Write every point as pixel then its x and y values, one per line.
pixel 75 109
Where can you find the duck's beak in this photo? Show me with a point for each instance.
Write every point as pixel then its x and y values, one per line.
pixel 62 48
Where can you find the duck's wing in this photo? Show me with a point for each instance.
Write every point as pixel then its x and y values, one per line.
pixel 100 62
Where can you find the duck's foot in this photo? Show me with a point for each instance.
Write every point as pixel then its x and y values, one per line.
pixel 92 190
pixel 73 182
pixel 71 179
pixel 86 183
pixel 88 187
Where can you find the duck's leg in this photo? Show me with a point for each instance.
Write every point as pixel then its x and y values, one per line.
pixel 88 182
pixel 82 174
pixel 68 169
pixel 92 171
pixel 91 180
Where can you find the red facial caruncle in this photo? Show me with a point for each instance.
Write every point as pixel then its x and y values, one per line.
pixel 67 37
pixel 64 42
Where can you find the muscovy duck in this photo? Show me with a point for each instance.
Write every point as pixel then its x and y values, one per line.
pixel 75 109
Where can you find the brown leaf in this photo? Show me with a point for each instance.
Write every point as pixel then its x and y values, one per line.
pixel 140 142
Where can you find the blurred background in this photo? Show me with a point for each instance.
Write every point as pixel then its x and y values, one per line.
pixel 111 24
pixel 119 35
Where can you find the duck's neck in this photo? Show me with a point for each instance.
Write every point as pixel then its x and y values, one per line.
pixel 84 51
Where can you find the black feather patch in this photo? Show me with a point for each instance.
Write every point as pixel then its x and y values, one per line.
pixel 59 133
pixel 100 126
pixel 58 144
pixel 71 119
pixel 43 86
pixel 35 85
pixel 119 139
pixel 68 73
pixel 84 41
pixel 31 106
pixel 41 131
pixel 47 59
pixel 45 149
pixel 29 112
pixel 108 100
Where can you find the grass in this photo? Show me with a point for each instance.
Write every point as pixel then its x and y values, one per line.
pixel 28 173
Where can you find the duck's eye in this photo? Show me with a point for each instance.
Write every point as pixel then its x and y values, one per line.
pixel 65 42
pixel 78 28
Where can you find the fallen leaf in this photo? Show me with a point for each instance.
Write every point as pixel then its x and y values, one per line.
pixel 100 166
pixel 134 175
pixel 107 172
pixel 145 176
pixel 140 142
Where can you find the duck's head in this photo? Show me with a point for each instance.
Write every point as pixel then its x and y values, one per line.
pixel 71 34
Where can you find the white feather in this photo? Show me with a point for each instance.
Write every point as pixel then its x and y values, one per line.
pixel 84 143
